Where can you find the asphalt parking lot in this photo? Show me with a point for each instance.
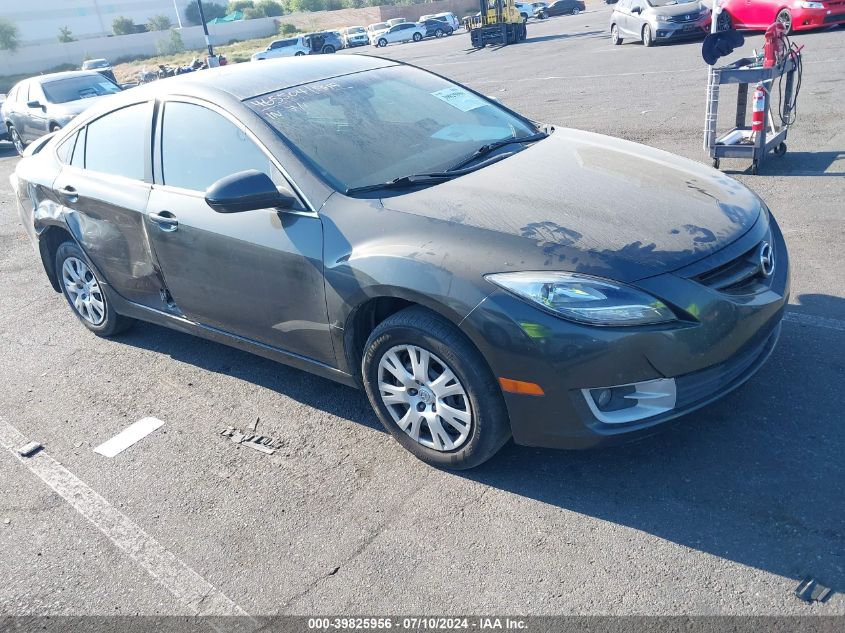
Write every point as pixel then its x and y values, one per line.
pixel 723 513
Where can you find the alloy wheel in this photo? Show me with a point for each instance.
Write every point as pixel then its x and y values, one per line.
pixel 785 18
pixel 724 21
pixel 84 291
pixel 424 397
pixel 16 140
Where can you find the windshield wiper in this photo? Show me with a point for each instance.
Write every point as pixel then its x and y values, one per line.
pixel 404 182
pixel 492 147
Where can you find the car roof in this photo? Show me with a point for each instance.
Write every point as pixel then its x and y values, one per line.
pixel 251 79
pixel 68 74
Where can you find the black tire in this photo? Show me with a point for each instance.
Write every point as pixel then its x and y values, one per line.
pixel 112 323
pixel 54 127
pixel 328 49
pixel 648 40
pixel 382 43
pixel 576 11
pixel 17 141
pixel 725 21
pixel 716 163
pixel 614 35
pixel 438 33
pixel 780 149
pixel 490 427
pixel 785 18
pixel 299 54
pixel 417 37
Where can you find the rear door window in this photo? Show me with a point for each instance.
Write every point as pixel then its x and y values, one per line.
pixel 117 143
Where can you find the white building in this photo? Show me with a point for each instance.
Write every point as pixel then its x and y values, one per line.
pixel 39 21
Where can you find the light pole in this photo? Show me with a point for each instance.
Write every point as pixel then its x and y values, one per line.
pixel 178 17
pixel 205 30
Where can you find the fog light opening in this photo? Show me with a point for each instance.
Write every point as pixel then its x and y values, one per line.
pixel 632 402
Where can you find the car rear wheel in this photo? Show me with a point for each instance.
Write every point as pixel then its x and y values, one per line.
pixel 647 38
pixel 417 37
pixel 382 42
pixel 438 33
pixel 84 292
pixel 16 139
pixel 433 391
pixel 785 18
pixel 725 22
pixel 614 35
pixel 576 11
pixel 328 49
pixel 299 54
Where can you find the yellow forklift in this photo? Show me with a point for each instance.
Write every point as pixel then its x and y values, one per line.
pixel 498 22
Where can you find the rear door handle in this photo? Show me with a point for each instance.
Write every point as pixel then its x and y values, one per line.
pixel 69 193
pixel 165 220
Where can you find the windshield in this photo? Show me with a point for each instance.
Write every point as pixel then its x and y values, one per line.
pixel 355 30
pixel 95 63
pixel 666 3
pixel 376 126
pixel 379 27
pixel 74 88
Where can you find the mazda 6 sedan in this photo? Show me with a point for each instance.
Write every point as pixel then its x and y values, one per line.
pixel 617 288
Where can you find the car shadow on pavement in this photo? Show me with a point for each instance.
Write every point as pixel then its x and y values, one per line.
pixel 313 391
pixel 7 150
pixel 754 478
pixel 566 36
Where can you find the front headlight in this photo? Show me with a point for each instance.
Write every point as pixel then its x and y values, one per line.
pixel 585 299
pixel 812 5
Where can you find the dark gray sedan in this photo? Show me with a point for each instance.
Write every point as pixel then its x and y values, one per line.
pixel 261 206
pixel 40 105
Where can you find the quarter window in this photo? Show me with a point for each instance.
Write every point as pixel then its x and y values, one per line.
pixel 65 149
pixel 200 146
pixel 117 142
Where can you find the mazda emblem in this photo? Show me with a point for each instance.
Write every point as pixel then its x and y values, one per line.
pixel 767 259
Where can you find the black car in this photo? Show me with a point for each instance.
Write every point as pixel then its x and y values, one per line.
pixel 436 28
pixel 562 7
pixel 479 275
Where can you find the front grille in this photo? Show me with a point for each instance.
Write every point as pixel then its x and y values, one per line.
pixel 691 17
pixel 702 385
pixel 740 276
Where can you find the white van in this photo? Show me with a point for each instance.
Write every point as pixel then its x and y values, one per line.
pixel 448 16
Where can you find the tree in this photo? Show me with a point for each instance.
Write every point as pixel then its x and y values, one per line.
pixel 239 5
pixel 307 5
pixel 159 23
pixel 65 35
pixel 8 36
pixel 171 45
pixel 270 8
pixel 287 29
pixel 122 26
pixel 211 10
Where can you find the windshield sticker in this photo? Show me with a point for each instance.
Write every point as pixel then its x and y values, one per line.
pixel 459 98
pixel 275 104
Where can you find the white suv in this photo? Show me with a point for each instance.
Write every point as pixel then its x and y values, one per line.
pixel 290 47
pixel 404 32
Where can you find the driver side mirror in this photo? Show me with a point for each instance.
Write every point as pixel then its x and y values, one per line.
pixel 637 10
pixel 34 104
pixel 247 191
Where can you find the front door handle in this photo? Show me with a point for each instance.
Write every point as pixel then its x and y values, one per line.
pixel 165 220
pixel 69 193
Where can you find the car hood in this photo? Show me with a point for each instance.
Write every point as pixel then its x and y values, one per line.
pixel 595 204
pixel 685 8
pixel 72 108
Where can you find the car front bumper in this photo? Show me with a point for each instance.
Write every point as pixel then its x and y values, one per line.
pixel 673 31
pixel 803 19
pixel 724 346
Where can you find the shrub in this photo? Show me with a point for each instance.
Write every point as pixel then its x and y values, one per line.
pixel 171 45
pixel 65 35
pixel 122 26
pixel 159 23
pixel 8 36
pixel 238 5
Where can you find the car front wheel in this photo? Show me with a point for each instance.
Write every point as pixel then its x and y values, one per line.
pixel 614 35
pixel 417 37
pixel 576 11
pixel 16 139
pixel 433 391
pixel 647 38
pixel 785 18
pixel 438 33
pixel 84 292
pixel 382 42
pixel 328 49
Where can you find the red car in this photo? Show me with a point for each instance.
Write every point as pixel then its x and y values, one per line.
pixel 796 15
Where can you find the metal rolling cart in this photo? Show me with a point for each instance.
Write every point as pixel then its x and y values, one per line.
pixel 741 142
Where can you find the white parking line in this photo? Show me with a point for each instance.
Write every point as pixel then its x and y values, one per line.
pixel 630 74
pixel 128 436
pixel 196 593
pixel 815 321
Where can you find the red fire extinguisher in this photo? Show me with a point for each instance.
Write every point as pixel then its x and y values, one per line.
pixel 758 109
pixel 773 50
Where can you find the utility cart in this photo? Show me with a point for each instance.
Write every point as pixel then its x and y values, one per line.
pixel 777 82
